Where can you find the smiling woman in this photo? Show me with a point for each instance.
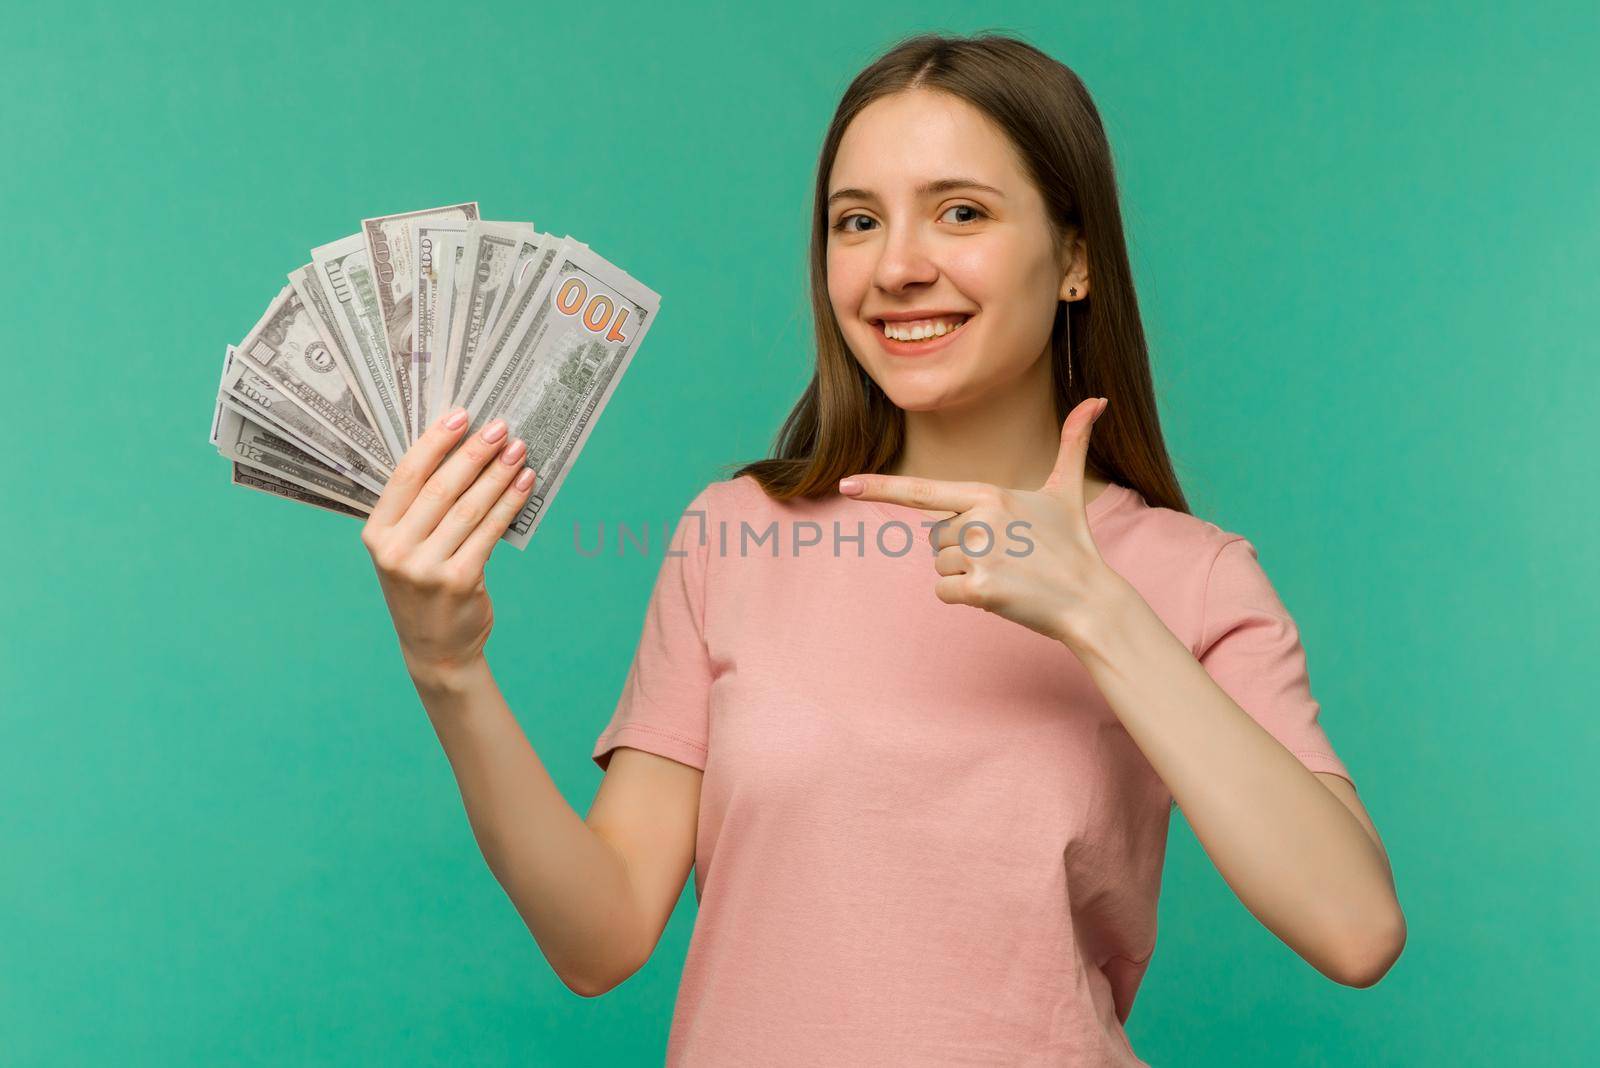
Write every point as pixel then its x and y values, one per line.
pixel 968 180
pixel 909 258
pixel 926 795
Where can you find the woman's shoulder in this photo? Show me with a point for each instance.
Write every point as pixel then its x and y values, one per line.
pixel 743 496
pixel 1173 558
pixel 741 490
pixel 1168 526
pixel 1160 536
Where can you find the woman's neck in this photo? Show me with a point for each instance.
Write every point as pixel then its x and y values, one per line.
pixel 1009 438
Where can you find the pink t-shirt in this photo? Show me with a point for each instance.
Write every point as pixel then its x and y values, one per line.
pixel 924 836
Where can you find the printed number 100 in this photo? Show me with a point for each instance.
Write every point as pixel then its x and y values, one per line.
pixel 599 314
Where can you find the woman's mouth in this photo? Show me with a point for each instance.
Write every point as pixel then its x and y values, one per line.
pixel 921 329
pixel 918 336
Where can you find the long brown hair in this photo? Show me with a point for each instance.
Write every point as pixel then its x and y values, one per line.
pixel 844 423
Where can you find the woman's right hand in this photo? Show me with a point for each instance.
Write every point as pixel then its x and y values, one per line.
pixel 432 531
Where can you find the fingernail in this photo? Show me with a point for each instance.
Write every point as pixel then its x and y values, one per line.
pixel 456 419
pixel 514 452
pixel 525 479
pixel 494 431
pixel 849 485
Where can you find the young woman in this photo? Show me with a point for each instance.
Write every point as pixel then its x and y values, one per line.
pixel 914 697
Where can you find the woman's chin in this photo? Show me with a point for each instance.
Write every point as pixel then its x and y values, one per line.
pixel 920 397
pixel 916 388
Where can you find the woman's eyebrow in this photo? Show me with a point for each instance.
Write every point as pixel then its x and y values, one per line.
pixel 938 185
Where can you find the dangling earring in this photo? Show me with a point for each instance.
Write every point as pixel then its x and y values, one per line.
pixel 1074 293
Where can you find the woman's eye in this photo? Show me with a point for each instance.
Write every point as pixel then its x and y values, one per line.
pixel 977 213
pixel 846 224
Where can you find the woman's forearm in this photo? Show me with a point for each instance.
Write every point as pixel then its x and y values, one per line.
pixel 568 884
pixel 1298 859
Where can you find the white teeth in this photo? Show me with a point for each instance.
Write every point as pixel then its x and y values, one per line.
pixel 922 329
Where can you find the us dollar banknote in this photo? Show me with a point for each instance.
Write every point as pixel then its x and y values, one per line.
pixel 345 270
pixel 251 478
pixel 492 316
pixel 515 312
pixel 527 257
pixel 388 239
pixel 242 439
pixel 258 398
pixel 559 368
pixel 285 349
pixel 490 252
pixel 308 285
pixel 439 380
pixel 435 250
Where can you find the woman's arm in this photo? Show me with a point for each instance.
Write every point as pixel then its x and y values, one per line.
pixel 441 514
pixel 1301 855
pixel 1296 846
pixel 568 883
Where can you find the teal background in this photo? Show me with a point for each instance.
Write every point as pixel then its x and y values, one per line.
pixel 1365 243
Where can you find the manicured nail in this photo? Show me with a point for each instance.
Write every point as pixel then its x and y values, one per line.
pixel 513 453
pixel 494 431
pixel 850 485
pixel 525 479
pixel 456 419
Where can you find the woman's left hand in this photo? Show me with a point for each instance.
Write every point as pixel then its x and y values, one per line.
pixel 1027 555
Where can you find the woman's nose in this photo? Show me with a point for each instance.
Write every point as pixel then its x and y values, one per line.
pixel 903 262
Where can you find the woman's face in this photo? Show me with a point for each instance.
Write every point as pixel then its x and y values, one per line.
pixel 913 237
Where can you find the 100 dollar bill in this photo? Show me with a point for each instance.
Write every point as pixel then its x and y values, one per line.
pixel 388 240
pixel 256 479
pixel 241 438
pixel 258 396
pixel 558 368
pixel 285 348
pixel 436 251
pixel 345 270
pixel 489 258
pixel 308 284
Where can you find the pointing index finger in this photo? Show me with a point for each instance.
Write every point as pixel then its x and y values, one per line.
pixel 928 493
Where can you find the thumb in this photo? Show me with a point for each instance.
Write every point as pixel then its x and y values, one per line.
pixel 1066 479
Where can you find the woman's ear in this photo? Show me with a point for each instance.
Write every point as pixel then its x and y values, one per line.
pixel 1076 277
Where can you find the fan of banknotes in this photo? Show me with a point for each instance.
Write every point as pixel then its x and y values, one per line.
pixel 385 330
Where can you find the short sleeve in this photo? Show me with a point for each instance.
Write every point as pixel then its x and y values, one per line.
pixel 664 705
pixel 1250 645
